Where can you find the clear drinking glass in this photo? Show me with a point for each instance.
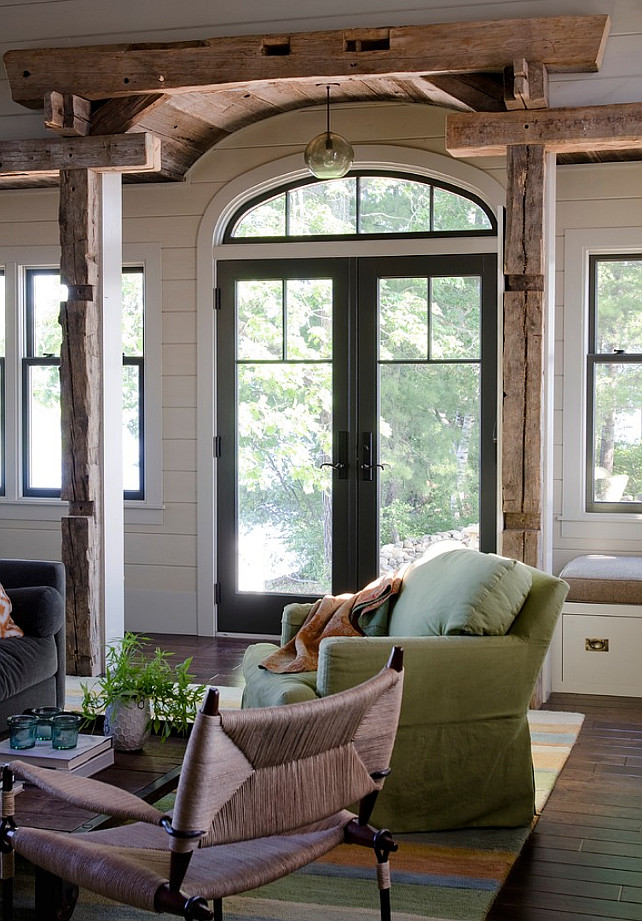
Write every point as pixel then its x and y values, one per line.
pixel 64 730
pixel 45 716
pixel 22 730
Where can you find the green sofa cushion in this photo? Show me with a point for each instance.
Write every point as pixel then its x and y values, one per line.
pixel 460 592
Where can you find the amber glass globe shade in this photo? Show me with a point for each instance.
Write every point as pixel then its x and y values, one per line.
pixel 328 156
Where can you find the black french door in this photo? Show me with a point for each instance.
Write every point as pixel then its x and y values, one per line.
pixel 356 409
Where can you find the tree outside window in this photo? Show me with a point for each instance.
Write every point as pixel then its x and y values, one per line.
pixel 614 376
pixel 41 383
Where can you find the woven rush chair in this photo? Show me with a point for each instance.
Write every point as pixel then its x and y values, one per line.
pixel 261 794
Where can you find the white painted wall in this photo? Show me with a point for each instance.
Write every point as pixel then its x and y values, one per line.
pixel 161 558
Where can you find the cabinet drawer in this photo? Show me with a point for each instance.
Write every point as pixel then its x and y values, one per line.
pixel 601 655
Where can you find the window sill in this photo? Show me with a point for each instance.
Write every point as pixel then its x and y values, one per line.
pixel 602 526
pixel 28 509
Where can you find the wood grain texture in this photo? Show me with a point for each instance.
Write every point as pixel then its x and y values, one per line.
pixel 81 409
pixel 523 360
pixel 563 43
pixel 524 241
pixel 563 131
pixel 67 114
pixel 126 153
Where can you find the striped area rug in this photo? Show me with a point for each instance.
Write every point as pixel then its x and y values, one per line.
pixel 440 876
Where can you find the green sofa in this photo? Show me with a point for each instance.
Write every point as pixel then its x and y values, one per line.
pixel 463 753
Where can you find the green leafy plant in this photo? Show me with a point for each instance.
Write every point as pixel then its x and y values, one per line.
pixel 130 675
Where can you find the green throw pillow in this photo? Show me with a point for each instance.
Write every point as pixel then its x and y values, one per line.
pixel 460 592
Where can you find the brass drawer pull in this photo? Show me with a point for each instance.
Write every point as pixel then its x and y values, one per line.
pixel 596 645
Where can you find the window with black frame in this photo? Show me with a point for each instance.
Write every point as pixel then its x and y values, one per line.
pixel 41 447
pixel 614 384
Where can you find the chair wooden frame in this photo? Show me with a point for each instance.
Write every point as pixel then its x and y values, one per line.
pixel 271 785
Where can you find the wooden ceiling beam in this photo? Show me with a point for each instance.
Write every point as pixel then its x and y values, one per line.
pixel 116 116
pixel 468 92
pixel 526 85
pixel 562 43
pixel 123 153
pixel 562 131
pixel 67 114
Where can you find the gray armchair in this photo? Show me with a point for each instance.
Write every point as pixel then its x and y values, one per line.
pixel 32 667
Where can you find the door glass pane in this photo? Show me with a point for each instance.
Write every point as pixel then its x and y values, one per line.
pixel 44 428
pixel 430 412
pixel 455 317
pixel 309 313
pixel 403 318
pixel 429 435
pixel 617 449
pixel 284 412
pixel 259 318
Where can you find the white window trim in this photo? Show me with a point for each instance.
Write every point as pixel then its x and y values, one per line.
pixel 17 507
pixel 575 521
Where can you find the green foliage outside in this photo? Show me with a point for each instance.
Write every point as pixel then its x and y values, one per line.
pixel 44 380
pixel 429 426
pixel 387 205
pixel 617 426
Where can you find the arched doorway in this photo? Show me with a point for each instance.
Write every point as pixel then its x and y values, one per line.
pixel 355 405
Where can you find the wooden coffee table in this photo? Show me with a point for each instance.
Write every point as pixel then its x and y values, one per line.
pixel 150 774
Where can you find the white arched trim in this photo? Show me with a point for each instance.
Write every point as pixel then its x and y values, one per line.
pixel 222 207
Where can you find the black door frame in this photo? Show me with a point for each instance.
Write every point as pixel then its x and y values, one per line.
pixel 355 561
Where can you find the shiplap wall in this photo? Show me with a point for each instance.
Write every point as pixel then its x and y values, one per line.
pixel 161 568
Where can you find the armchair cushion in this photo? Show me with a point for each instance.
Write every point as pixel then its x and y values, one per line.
pixel 275 689
pixel 460 592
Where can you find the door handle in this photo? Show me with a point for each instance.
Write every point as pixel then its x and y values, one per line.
pixel 367 466
pixel 341 463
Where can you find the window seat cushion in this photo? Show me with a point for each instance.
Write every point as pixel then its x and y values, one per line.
pixel 601 578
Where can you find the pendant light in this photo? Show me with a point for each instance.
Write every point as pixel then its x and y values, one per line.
pixel 328 155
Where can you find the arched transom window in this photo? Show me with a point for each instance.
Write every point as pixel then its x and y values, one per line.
pixel 364 205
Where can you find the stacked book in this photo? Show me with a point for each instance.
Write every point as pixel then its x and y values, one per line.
pixel 92 754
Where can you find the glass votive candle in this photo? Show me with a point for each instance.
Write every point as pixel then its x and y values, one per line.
pixel 64 730
pixel 45 716
pixel 22 730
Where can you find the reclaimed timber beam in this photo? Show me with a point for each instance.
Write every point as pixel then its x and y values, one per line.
pixel 116 116
pixel 523 355
pixel 468 92
pixel 121 153
pixel 564 130
pixel 81 407
pixel 564 44
pixel 526 85
pixel 67 114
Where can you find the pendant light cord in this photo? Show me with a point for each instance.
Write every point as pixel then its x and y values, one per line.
pixel 327 109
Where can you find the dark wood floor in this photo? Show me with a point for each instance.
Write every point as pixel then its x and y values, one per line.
pixel 583 861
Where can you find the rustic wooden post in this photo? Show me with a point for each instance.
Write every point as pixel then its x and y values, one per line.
pixel 524 268
pixel 81 404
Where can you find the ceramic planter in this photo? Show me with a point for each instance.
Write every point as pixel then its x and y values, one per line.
pixel 128 721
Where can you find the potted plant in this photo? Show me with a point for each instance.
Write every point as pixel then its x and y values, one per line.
pixel 140 693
